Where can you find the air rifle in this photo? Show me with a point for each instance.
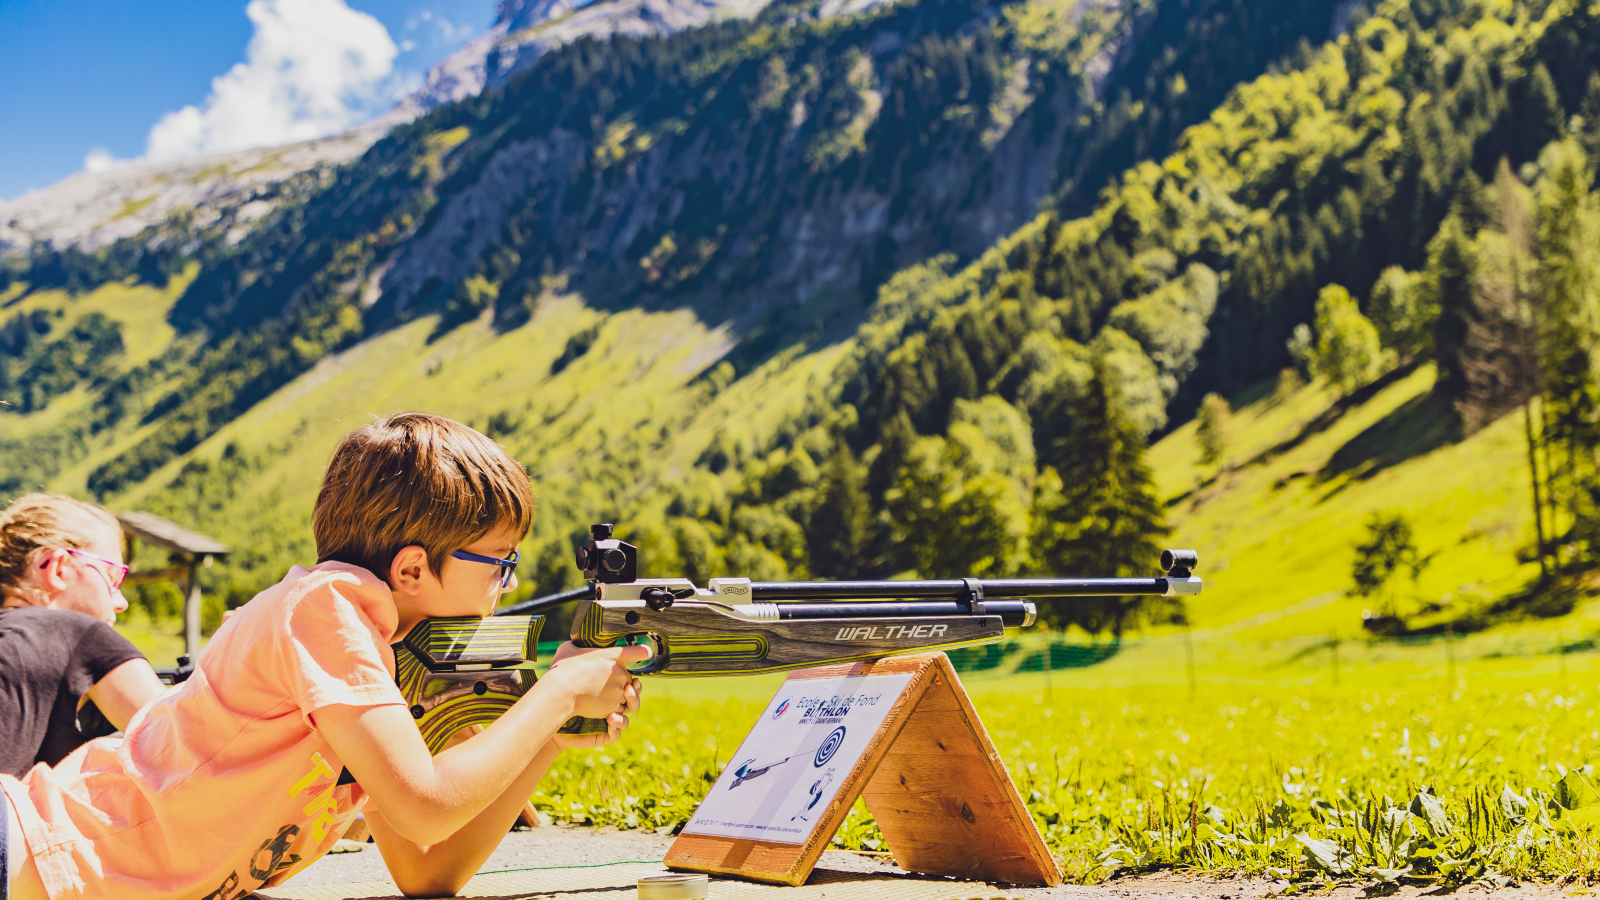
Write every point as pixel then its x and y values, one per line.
pixel 464 671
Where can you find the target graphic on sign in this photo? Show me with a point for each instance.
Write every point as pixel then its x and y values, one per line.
pixel 830 746
pixel 788 769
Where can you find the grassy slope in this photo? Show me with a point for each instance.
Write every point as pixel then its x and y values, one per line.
pixel 1275 529
pixel 141 310
pixel 635 380
pixel 632 387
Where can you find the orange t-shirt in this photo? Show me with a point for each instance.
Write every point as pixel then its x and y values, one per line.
pixel 222 785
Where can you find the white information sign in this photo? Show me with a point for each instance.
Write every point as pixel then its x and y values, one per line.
pixel 796 758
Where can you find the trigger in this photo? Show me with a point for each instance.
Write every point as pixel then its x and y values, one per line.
pixel 631 640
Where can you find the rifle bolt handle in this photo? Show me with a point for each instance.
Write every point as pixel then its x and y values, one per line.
pixel 656 598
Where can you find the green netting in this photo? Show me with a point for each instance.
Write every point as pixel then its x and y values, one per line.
pixel 1067 656
pixel 1034 655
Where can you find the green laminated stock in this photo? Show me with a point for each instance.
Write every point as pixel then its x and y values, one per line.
pixel 463 671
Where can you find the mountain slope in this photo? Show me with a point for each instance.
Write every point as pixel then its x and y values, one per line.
pixel 660 270
pixel 715 179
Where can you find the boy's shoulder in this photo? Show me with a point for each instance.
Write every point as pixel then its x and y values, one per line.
pixel 331 573
pixel 328 586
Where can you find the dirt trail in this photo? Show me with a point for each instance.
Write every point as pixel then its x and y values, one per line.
pixel 564 846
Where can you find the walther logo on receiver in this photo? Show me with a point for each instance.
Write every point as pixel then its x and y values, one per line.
pixel 889 632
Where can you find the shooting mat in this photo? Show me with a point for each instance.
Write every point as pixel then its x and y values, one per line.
pixel 617 882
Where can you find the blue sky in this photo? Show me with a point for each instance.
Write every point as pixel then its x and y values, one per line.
pixel 86 75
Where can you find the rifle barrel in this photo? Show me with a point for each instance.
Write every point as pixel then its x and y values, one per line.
pixel 787 593
pixel 953 589
pixel 547 602
pixel 1012 613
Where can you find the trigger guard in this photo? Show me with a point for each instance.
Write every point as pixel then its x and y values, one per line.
pixel 659 658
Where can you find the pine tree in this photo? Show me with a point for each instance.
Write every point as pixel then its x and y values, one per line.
pixel 839 532
pixel 1568 227
pixel 1097 514
pixel 1499 357
pixel 1453 261
pixel 1212 430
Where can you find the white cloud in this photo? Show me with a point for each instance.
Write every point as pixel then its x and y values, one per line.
pixel 101 160
pixel 447 29
pixel 313 68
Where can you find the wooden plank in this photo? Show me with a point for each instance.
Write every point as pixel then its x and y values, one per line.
pixel 932 779
pixel 943 798
pixel 791 864
pixel 156 530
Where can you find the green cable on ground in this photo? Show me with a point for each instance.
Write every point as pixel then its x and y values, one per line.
pixel 621 862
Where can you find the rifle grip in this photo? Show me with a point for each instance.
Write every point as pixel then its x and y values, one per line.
pixel 580 725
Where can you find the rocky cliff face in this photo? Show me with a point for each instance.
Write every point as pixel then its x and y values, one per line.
pixel 761 210
pixel 525 30
pixel 812 172
pixel 90 210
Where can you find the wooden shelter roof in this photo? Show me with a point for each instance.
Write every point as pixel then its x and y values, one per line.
pixel 153 529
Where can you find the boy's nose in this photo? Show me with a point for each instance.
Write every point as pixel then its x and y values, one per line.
pixel 119 603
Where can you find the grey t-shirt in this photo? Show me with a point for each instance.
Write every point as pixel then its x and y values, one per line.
pixel 49 659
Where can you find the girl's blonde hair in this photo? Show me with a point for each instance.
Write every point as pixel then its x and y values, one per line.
pixel 35 523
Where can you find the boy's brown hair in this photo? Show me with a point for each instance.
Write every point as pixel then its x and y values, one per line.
pixel 416 479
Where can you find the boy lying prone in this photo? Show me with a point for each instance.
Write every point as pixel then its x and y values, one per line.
pixel 292 723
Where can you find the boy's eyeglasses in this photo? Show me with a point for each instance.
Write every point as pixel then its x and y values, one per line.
pixel 509 564
pixel 114 575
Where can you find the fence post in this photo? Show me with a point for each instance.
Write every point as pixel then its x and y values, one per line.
pixel 1188 652
pixel 191 611
pixel 1450 653
pixel 1049 695
pixel 1333 648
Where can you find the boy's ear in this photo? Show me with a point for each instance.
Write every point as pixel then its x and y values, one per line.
pixel 409 572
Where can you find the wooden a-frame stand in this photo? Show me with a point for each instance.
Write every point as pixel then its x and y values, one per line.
pixel 931 778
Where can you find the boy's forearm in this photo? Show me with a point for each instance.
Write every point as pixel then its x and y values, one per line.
pixel 444 867
pixel 529 725
pixel 428 798
pixel 493 763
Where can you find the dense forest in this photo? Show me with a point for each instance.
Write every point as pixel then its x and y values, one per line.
pixel 1040 232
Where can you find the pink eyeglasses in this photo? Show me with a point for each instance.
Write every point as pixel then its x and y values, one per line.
pixel 114 576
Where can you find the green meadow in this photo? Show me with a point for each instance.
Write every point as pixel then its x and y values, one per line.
pixel 1424 764
pixel 1274 736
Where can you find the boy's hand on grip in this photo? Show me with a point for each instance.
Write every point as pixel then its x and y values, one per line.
pixel 598 679
pixel 614 724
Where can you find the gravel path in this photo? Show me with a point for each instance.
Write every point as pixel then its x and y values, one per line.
pixel 570 846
